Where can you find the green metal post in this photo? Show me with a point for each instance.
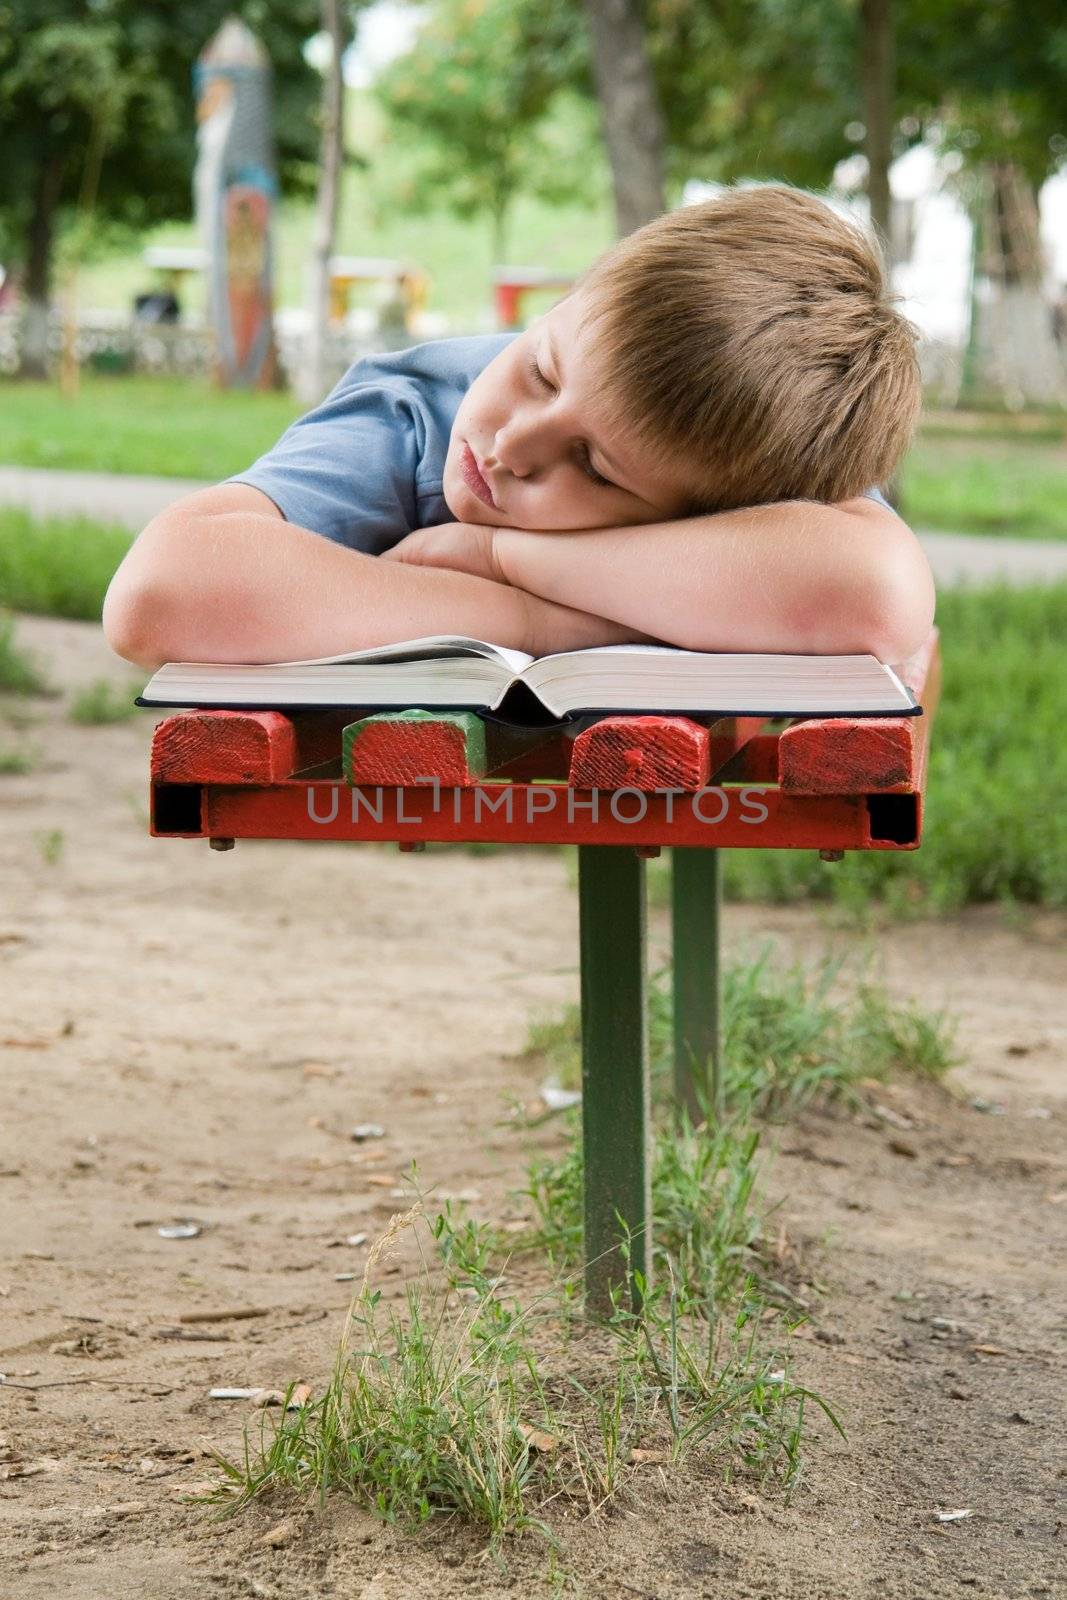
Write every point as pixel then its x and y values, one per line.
pixel 615 1095
pixel 696 895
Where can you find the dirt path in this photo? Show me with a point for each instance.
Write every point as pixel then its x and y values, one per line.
pixel 192 1034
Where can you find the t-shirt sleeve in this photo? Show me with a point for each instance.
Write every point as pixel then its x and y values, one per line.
pixel 877 495
pixel 347 469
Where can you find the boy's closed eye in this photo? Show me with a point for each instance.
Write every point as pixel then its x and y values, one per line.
pixel 582 450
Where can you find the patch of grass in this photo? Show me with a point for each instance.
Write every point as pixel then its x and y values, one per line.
pixel 58 567
pixel 14 762
pixel 468 1403
pixel 507 1411
pixel 167 427
pixel 1013 486
pixel 789 1036
pixel 20 671
pixel 51 844
pixel 103 701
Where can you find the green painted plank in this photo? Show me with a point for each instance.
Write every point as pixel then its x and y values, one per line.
pixel 615 1090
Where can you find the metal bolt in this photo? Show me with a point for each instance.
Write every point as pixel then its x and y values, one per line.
pixel 831 855
pixel 222 844
pixel 411 844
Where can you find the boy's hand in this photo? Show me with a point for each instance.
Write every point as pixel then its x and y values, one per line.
pixel 461 546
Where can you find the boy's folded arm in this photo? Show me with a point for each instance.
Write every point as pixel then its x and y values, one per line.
pixel 797 577
pixel 222 576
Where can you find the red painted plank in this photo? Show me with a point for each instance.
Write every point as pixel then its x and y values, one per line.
pixel 224 747
pixel 401 747
pixel 641 753
pixel 540 814
pixel 458 748
pixel 243 746
pixel 869 755
pixel 872 755
pixel 656 752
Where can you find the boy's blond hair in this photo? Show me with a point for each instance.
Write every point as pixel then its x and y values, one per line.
pixel 751 341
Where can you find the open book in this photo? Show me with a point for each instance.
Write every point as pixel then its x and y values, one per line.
pixel 446 671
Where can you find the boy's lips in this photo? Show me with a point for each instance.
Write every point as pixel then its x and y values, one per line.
pixel 474 478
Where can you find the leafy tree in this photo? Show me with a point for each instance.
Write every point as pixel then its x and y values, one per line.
pixel 472 94
pixel 97 95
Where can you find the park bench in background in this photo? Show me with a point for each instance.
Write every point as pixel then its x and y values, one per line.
pixel 618 787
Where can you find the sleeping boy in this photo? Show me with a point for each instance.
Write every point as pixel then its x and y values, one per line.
pixel 683 450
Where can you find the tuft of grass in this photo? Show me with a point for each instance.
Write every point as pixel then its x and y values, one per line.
pixel 15 761
pixel 51 843
pixel 788 1037
pixel 20 671
pixel 103 701
pixel 471 1401
pixel 58 566
pixel 467 1403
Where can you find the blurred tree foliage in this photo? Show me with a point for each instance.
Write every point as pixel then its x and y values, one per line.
pixel 749 88
pixel 97 95
pixel 471 99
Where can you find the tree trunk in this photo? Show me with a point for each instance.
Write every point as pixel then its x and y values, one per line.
pixel 40 237
pixel 500 231
pixel 313 380
pixel 1012 354
pixel 630 111
pixel 878 79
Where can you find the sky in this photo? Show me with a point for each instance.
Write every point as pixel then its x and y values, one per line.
pixel 384 30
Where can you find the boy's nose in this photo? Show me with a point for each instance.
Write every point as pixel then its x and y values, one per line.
pixel 521 447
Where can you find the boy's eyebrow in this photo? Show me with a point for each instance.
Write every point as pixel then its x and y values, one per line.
pixel 554 353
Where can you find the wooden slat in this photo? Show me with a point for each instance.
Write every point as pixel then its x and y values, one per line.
pixel 258 747
pixel 866 755
pixel 457 748
pixel 224 747
pixel 398 747
pixel 875 755
pixel 641 753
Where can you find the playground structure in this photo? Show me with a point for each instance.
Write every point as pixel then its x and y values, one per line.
pixel 512 284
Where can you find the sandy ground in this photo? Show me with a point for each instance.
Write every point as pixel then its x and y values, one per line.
pixel 191 1034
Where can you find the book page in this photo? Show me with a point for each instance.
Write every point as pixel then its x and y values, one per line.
pixel 435 645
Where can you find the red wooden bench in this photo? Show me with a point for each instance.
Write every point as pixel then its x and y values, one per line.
pixel 618 787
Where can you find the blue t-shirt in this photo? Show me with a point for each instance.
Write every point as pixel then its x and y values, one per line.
pixel 364 468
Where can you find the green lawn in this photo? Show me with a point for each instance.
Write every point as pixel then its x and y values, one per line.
pixel 987 483
pixel 170 427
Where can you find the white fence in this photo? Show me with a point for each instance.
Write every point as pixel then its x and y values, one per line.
pixel 114 341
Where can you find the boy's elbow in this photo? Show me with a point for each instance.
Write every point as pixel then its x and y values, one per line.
pixel 131 623
pixel 135 612
pixel 905 603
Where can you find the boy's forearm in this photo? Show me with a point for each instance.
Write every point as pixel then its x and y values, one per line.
pixel 798 577
pixel 247 587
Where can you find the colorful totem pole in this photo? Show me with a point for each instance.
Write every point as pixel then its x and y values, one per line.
pixel 235 191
